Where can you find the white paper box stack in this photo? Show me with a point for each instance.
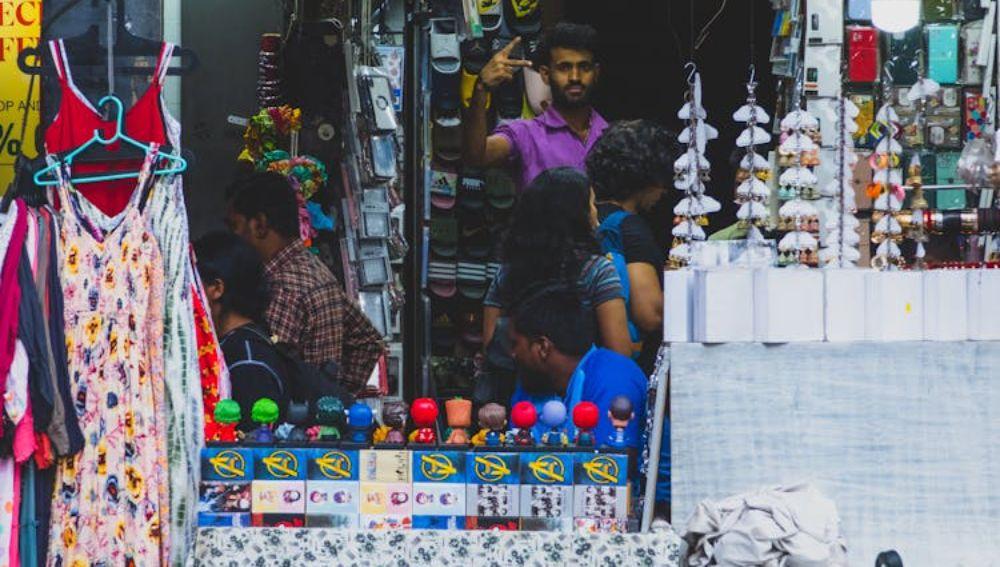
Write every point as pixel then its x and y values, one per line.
pixel 723 306
pixel 844 304
pixel 984 305
pixel 788 305
pixel 894 309
pixel 678 305
pixel 946 305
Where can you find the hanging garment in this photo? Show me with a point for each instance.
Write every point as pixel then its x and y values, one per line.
pixel 149 121
pixel 77 120
pixel 12 236
pixel 110 505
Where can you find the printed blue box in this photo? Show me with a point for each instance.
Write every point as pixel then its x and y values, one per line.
pixel 439 522
pixel 493 483
pixel 224 494
pixel 602 490
pixel 547 485
pixel 333 494
pixel 280 463
pixel 438 484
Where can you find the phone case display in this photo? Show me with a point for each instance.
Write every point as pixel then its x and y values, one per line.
pixel 691 173
pixel 972 72
pixel 912 129
pixel 798 154
pixel 938 10
pixel 944 118
pixel 859 10
pixel 840 238
pixel 942 53
pixel 865 101
pixel 754 171
pixel 903 56
pixel 825 22
pixel 862 54
pixel 975 114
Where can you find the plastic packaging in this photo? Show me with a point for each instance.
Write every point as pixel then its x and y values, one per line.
pixel 862 50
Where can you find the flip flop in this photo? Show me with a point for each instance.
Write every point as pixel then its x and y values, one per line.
pixel 476 53
pixel 443 189
pixel 510 98
pixel 472 280
pixel 447 137
pixel 442 278
pixel 523 17
pixel 500 189
pixel 539 94
pixel 490 14
pixel 445 53
pixel 471 189
pixel 444 236
pixel 446 90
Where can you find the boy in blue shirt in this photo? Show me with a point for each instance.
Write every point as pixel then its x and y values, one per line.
pixel 552 342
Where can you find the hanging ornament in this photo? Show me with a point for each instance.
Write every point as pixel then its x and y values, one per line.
pixel 751 192
pixel 840 238
pixel 690 175
pixel 798 153
pixel 887 179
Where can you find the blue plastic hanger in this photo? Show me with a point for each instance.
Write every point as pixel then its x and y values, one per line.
pixel 179 163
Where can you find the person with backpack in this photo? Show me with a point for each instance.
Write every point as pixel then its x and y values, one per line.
pixel 233 277
pixel 630 168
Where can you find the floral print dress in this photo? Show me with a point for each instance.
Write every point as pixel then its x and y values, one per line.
pixel 111 501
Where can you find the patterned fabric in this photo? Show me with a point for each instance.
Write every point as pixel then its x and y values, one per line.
pixel 209 361
pixel 111 504
pixel 235 547
pixel 310 311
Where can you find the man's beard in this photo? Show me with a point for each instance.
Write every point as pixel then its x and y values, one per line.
pixel 534 382
pixel 560 99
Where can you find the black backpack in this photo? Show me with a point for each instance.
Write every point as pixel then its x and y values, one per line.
pixel 304 382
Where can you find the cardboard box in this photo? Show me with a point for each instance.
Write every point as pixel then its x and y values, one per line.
pixel 547 485
pixel 984 309
pixel 825 22
pixel 723 306
pixel 493 488
pixel 894 306
pixel 439 488
pixel 946 305
pixel 278 497
pixel 209 520
pixel 385 466
pixel 844 304
pixel 678 305
pixel 225 463
pixel 788 305
pixel 224 493
pixel 601 489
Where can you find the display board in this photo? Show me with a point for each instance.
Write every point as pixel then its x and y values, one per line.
pixel 20 27
pixel 903 437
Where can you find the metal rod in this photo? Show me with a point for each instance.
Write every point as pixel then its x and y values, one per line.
pixel 661 382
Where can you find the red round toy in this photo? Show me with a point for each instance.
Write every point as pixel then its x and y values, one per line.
pixel 586 415
pixel 523 415
pixel 424 412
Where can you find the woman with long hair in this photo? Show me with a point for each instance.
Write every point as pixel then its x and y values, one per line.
pixel 550 242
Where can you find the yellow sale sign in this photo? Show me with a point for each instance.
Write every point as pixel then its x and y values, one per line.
pixel 20 28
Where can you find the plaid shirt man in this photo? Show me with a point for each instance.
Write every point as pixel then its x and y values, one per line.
pixel 310 311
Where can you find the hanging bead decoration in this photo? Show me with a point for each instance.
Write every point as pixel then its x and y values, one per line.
pixel 798 217
pixel 754 171
pixel 840 237
pixel 691 173
pixel 886 188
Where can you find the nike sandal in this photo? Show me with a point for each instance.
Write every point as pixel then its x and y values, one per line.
pixel 477 242
pixel 445 52
pixel 447 137
pixel 444 188
pixel 444 236
pixel 490 14
pixel 523 17
pixel 539 94
pixel 500 189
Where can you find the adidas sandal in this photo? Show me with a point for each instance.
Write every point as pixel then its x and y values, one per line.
pixel 539 94
pixel 500 189
pixel 523 17
pixel 443 189
pixel 442 278
pixel 472 280
pixel 471 191
pixel 477 242
pixel 490 14
pixel 444 236
pixel 445 53
pixel 447 137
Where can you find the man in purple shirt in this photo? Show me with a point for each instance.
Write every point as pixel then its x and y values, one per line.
pixel 560 136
